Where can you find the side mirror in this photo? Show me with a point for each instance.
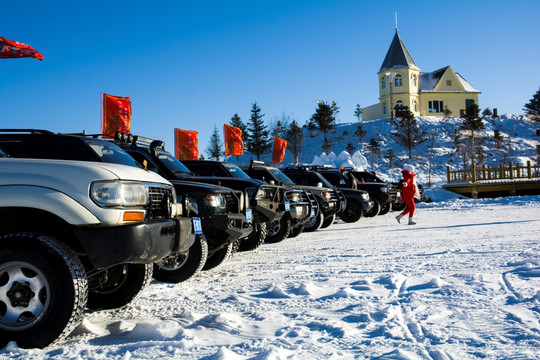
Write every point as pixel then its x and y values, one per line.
pixel 319 184
pixel 341 182
pixel 272 182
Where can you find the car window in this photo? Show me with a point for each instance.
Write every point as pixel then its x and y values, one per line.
pixel 281 177
pixel 172 163
pixel 141 158
pixel 111 153
pixel 235 171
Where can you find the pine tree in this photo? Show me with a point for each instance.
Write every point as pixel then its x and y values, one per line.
pixel 214 149
pixel 358 112
pixel 360 132
pixel 350 148
pixel 295 137
pixel 258 139
pixel 472 122
pixel 408 133
pixel 532 108
pixel 237 122
pixel 487 112
pixel 391 156
pixel 279 129
pixel 325 119
pixel 374 149
pixel 447 112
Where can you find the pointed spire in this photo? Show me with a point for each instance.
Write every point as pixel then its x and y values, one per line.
pixel 397 55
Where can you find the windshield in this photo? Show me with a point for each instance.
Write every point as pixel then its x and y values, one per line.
pixel 235 171
pixel 111 153
pixel 281 177
pixel 173 164
pixel 323 180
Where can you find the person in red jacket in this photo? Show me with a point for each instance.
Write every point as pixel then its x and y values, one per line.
pixel 409 191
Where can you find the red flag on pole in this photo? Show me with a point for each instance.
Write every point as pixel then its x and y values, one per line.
pixel 115 114
pixel 278 153
pixel 10 49
pixel 233 140
pixel 186 145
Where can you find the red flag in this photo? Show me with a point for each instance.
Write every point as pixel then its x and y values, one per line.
pixel 14 49
pixel 186 145
pixel 278 153
pixel 115 114
pixel 233 140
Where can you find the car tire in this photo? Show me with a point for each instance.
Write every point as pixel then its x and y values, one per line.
pixel 50 278
pixel 255 239
pixel 314 223
pixel 218 257
pixel 181 267
pixel 278 230
pixel 353 212
pixel 385 209
pixel 295 231
pixel 328 221
pixel 374 211
pixel 398 206
pixel 120 285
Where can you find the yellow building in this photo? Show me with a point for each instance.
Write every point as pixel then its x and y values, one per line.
pixel 425 94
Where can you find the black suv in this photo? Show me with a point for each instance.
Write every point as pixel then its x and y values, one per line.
pixel 220 210
pixel 358 201
pixel 330 200
pixel 266 201
pixel 297 204
pixel 384 195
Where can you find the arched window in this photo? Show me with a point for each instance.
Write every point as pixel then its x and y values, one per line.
pixel 414 79
pixel 383 83
pixel 415 106
pixel 398 81
pixel 384 108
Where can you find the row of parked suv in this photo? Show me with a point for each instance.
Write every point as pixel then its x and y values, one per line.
pixel 86 222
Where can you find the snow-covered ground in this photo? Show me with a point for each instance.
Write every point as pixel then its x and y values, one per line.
pixel 462 284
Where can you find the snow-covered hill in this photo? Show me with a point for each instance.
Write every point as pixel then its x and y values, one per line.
pixel 518 145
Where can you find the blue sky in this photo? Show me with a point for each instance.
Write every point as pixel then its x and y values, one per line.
pixel 193 64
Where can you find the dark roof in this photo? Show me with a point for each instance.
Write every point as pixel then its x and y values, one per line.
pixel 397 55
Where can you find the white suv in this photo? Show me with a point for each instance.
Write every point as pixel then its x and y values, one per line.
pixel 77 234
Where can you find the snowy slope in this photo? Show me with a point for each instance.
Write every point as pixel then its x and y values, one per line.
pixel 519 145
pixel 462 284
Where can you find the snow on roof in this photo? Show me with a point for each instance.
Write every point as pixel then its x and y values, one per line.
pixel 428 81
pixel 466 85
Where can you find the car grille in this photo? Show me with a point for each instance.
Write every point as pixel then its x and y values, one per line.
pixel 233 203
pixel 157 207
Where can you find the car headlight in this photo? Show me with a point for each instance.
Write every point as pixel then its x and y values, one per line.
pixel 365 196
pixel 215 201
pixel 117 193
pixel 293 197
pixel 326 195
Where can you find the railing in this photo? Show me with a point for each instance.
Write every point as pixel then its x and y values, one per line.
pixel 484 173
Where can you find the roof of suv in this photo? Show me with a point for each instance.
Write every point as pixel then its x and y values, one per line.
pixel 43 144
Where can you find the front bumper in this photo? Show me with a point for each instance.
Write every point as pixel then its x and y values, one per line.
pixel 185 234
pixel 235 226
pixel 267 211
pixel 141 243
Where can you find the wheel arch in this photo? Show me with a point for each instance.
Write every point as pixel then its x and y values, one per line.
pixel 22 219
